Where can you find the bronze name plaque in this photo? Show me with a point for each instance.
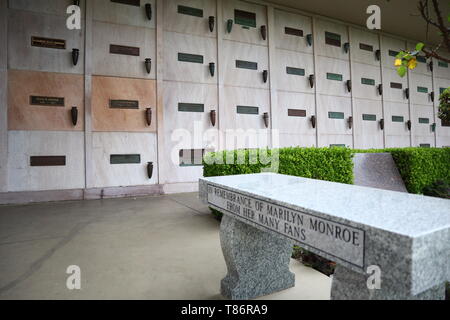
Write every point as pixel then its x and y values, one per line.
pixel 125 159
pixel 47 161
pixel 124 104
pixel 293 32
pixel 48 43
pixel 296 113
pixel 366 47
pixel 128 51
pixel 47 101
pixel 136 3
pixel 333 39
pixel 396 85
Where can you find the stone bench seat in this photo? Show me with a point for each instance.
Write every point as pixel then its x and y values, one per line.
pixel 403 237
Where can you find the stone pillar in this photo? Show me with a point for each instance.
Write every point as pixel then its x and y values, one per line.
pixel 351 285
pixel 257 261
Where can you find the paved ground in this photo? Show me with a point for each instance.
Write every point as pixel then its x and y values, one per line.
pixel 146 248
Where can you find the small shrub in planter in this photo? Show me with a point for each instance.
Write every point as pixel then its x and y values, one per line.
pixel 217 214
pixel 444 106
pixel 447 291
pixel 314 261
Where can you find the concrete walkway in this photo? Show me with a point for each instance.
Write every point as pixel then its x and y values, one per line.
pixel 146 248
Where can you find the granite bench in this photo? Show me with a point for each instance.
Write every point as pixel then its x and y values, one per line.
pixel 398 243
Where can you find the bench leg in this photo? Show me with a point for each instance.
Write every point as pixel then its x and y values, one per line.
pixel 350 285
pixel 257 261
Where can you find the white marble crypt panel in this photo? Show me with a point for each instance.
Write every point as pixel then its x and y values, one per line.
pixel 367 121
pixel 396 119
pixel 191 17
pixel 244 115
pixel 421 87
pixel 332 39
pixel 134 44
pixel 188 107
pixel 246 20
pixel 106 144
pixel 365 47
pixel 332 76
pixel 244 65
pixel 333 114
pixel 441 68
pixel 422 120
pixel 394 86
pixel 22 145
pixel 127 14
pixel 294 113
pixel 32 34
pixel 294 70
pixel 367 81
pixel 177 173
pixel 188 58
pixel 292 32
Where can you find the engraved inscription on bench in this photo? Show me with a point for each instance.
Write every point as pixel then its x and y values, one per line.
pixel 340 240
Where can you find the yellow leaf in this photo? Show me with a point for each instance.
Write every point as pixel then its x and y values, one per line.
pixel 398 62
pixel 412 63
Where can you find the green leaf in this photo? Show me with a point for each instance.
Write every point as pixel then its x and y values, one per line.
pixel 400 55
pixel 401 71
pixel 408 56
pixel 420 46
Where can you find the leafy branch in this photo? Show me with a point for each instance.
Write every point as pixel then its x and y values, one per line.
pixel 406 59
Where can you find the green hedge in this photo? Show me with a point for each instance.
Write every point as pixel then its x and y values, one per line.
pixel 419 167
pixel 331 164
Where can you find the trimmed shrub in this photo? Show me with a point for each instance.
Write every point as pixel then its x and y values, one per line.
pixel 226 163
pixel 333 164
pixel 330 164
pixel 420 167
